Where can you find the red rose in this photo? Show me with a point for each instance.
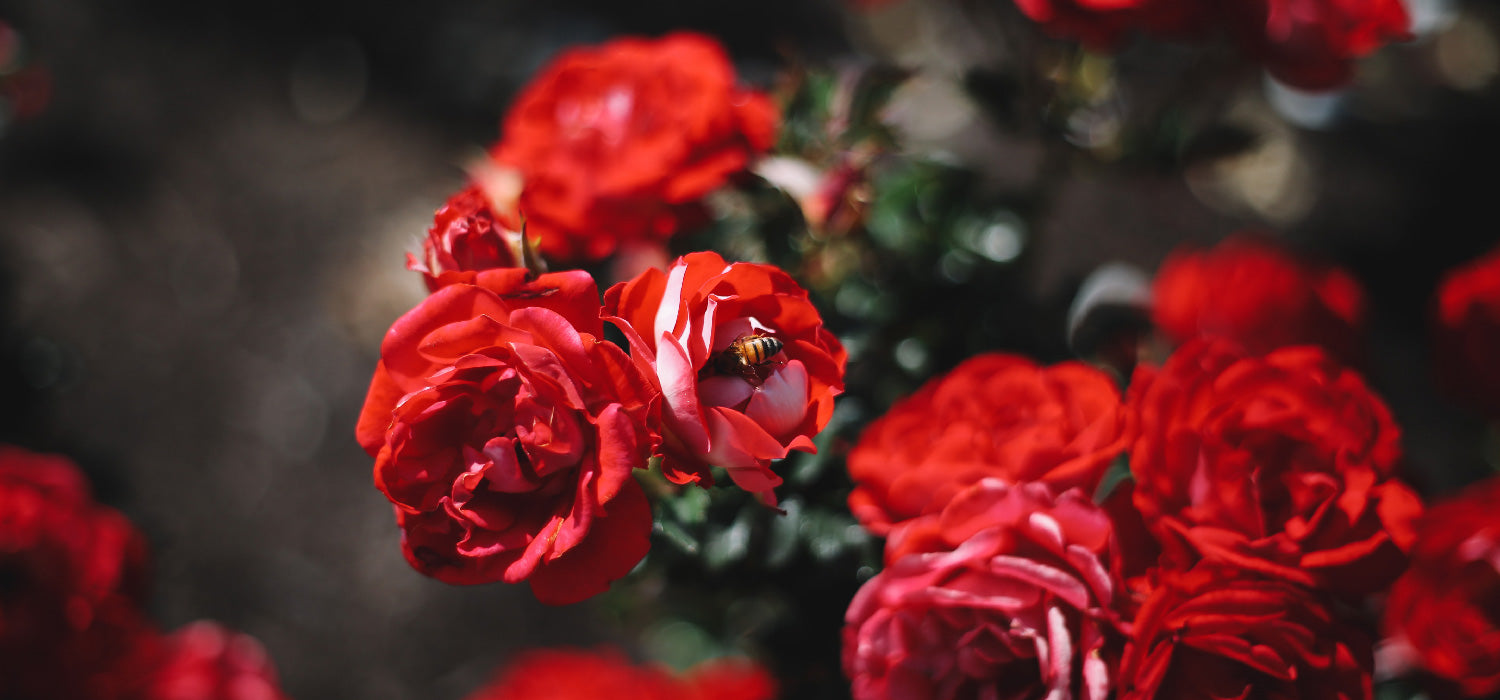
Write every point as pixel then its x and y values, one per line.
pixel 205 661
pixel 681 325
pixel 466 237
pixel 1219 632
pixel 506 433
pixel 1468 333
pixel 1446 607
pixel 994 415
pixel 618 142
pixel 1250 291
pixel 582 675
pixel 1312 44
pixel 1102 23
pixel 1283 463
pixel 1009 593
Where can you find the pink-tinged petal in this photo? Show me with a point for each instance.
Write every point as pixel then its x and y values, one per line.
pixel 375 415
pixel 619 540
pixel 744 449
pixel 679 390
pixel 724 391
pixel 780 403
pixel 667 313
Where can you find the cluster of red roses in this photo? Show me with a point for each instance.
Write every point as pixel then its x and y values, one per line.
pixel 505 428
pixel 1261 509
pixel 72 583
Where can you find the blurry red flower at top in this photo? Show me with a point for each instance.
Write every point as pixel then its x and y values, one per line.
pixel 467 236
pixel 618 142
pixel 72 577
pixel 560 674
pixel 746 370
pixel 1468 333
pixel 1221 632
pixel 994 415
pixel 505 431
pixel 205 661
pixel 1251 291
pixel 1103 23
pixel 1283 463
pixel 1446 607
pixel 1009 593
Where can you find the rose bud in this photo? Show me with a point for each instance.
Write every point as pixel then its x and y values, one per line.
pixel 746 369
pixel 558 674
pixel 1446 607
pixel 1221 632
pixel 1468 333
pixel 506 432
pixel 466 237
pixel 994 415
pixel 1250 291
pixel 1283 463
pixel 1010 592
pixel 619 142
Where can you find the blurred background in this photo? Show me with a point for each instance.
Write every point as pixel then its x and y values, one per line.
pixel 204 209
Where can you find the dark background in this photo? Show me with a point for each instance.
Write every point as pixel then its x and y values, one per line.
pixel 202 238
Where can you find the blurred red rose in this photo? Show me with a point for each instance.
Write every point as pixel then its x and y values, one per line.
pixel 681 324
pixel 1220 632
pixel 466 237
pixel 506 433
pixel 205 661
pixel 1468 333
pixel 1102 23
pixel 618 142
pixel 1283 463
pixel 1446 607
pixel 72 577
pixel 1010 592
pixel 1254 293
pixel 994 415
pixel 584 675
pixel 1312 44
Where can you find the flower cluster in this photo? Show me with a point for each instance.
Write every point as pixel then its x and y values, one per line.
pixel 72 625
pixel 506 430
pixel 1260 507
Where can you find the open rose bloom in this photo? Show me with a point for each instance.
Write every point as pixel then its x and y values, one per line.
pixel 506 433
pixel 680 322
pixel 1009 593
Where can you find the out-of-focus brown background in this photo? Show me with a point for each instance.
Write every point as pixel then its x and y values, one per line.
pixel 202 238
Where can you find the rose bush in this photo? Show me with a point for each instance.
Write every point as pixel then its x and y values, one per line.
pixel 1250 291
pixel 1222 632
pixel 1446 607
pixel 617 143
pixel 582 675
pixel 994 415
pixel 681 321
pixel 466 236
pixel 1009 592
pixel 1468 333
pixel 1283 463
pixel 506 433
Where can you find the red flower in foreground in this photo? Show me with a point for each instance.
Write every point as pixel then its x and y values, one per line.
pixel 466 237
pixel 618 142
pixel 1009 593
pixel 582 675
pixel 1283 463
pixel 205 661
pixel 1468 333
pixel 1252 292
pixel 1220 632
pixel 506 433
pixel 722 407
pixel 1446 607
pixel 71 581
pixel 994 415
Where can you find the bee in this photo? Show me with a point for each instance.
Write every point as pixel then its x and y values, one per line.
pixel 746 355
